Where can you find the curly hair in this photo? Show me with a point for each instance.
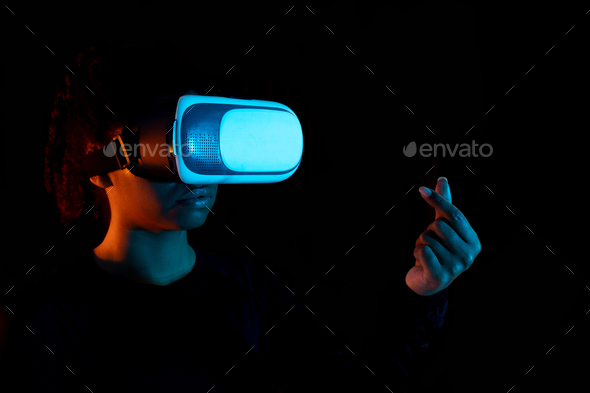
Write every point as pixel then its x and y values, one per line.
pixel 110 81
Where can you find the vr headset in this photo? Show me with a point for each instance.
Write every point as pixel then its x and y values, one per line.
pixel 202 139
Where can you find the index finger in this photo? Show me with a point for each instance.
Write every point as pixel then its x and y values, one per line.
pixel 454 216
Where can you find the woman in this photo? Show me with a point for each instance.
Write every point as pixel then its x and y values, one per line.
pixel 146 311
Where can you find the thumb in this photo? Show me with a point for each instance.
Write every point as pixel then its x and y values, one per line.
pixel 442 187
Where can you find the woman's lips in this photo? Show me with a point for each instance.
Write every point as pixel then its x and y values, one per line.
pixel 195 193
pixel 194 202
pixel 190 198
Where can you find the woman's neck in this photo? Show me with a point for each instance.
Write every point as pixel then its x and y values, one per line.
pixel 157 258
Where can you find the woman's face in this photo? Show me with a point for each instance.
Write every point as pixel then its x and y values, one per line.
pixel 137 202
pixel 152 205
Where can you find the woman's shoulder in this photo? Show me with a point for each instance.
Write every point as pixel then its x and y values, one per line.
pixel 60 288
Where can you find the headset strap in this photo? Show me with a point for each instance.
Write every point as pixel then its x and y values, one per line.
pixel 111 157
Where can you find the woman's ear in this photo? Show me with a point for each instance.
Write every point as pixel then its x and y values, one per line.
pixel 103 181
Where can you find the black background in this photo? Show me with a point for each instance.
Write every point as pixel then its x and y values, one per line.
pixel 449 63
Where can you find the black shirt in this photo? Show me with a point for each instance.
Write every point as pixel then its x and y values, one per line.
pixel 230 325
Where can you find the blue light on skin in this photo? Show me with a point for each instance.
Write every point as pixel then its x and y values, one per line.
pixel 146 240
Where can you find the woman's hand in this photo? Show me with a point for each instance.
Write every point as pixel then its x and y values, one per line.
pixel 445 249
